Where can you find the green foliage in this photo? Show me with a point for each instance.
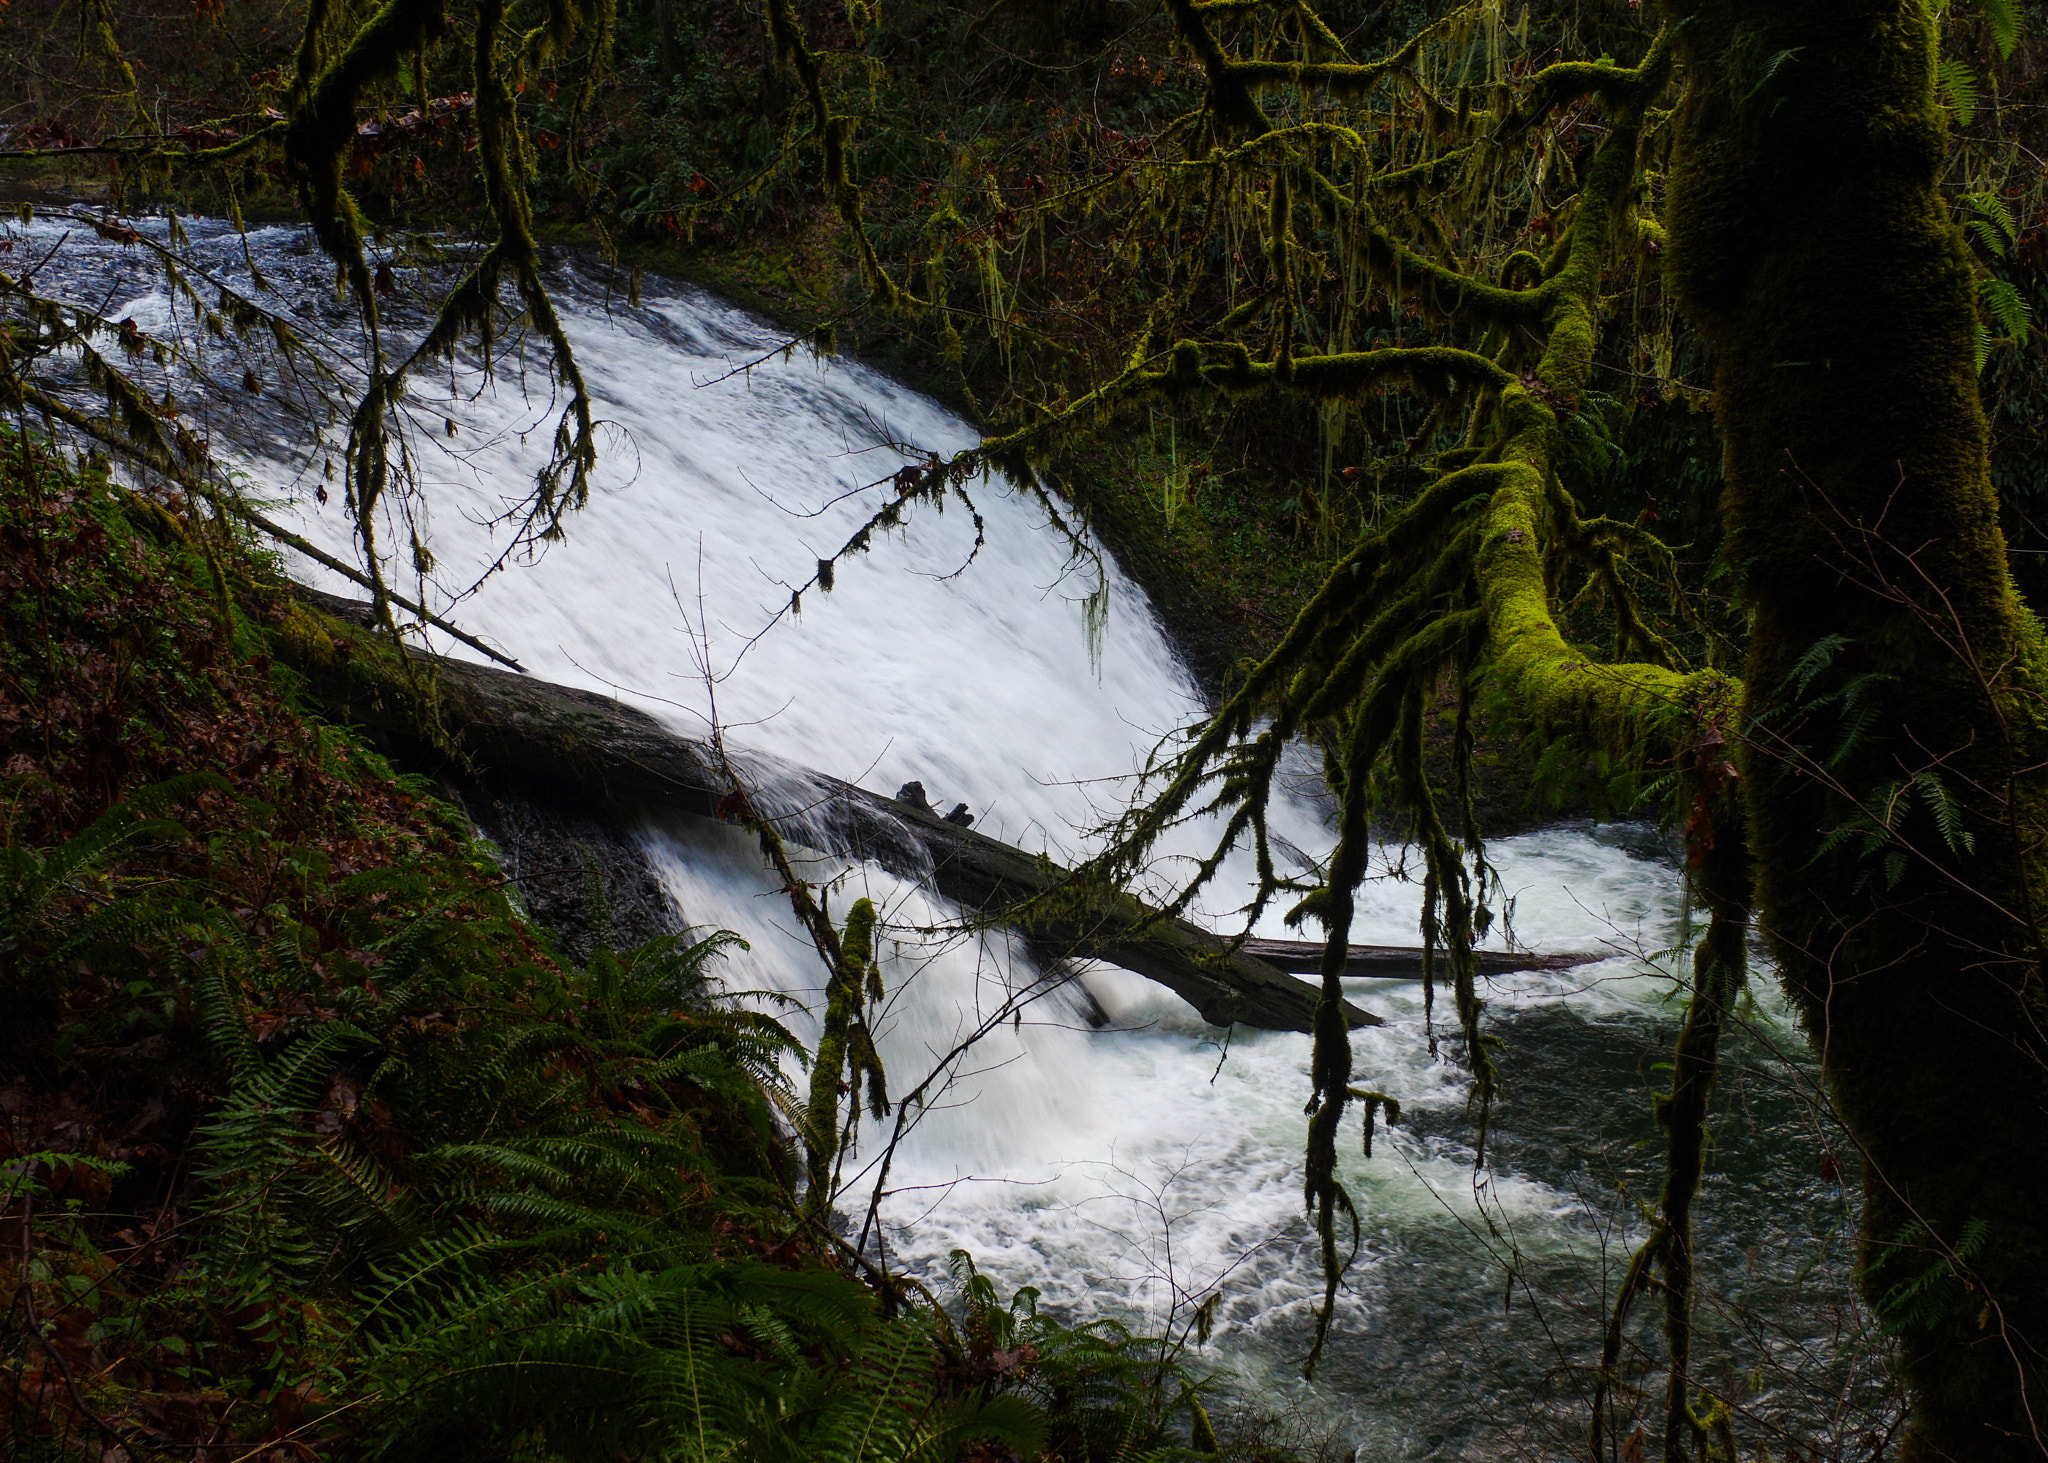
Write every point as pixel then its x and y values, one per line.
pixel 1924 1280
pixel 464 1146
pixel 357 1059
pixel 1104 1390
pixel 555 1102
pixel 1959 88
pixel 686 1360
pixel 1998 230
pixel 41 889
pixel 1877 831
pixel 2007 306
pixel 1855 704
pixel 752 1361
pixel 1995 226
pixel 1777 62
pixel 2004 18
pixel 1877 826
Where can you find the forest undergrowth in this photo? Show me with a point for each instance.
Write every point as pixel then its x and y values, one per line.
pixel 315 1146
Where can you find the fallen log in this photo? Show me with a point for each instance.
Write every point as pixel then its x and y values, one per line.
pixel 532 732
pixel 1401 962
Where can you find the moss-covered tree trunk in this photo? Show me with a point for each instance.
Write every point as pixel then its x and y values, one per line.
pixel 1894 715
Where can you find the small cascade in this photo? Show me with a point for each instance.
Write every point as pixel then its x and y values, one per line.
pixel 1132 1168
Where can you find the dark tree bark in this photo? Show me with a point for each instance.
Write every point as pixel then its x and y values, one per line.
pixel 665 29
pixel 1893 687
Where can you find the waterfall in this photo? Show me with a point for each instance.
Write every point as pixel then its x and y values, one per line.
pixel 1128 1170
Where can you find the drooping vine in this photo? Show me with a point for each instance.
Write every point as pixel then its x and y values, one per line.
pixel 846 1059
pixel 1719 876
pixel 346 54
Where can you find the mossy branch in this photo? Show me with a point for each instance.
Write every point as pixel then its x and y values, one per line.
pixel 1625 89
pixel 833 134
pixel 187 477
pixel 323 124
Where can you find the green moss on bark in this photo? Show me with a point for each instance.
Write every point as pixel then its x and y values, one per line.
pixel 1893 673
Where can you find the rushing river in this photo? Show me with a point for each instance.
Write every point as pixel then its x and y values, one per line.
pixel 1134 1168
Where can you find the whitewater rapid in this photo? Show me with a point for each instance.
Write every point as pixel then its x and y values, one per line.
pixel 1131 1169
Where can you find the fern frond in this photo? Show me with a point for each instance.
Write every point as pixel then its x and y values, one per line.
pixel 357 1194
pixel 1987 235
pixel 1959 88
pixel 2004 16
pixel 1994 208
pixel 220 1016
pixel 876 1419
pixel 438 1261
pixel 1007 1421
pixel 2007 306
pixel 1817 658
pixel 1772 67
pixel 1948 816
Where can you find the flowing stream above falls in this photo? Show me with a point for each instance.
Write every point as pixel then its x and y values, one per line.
pixel 1131 1169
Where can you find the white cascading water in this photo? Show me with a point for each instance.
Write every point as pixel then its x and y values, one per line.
pixel 1127 1170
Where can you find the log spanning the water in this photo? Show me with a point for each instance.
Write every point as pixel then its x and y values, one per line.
pixel 597 749
pixel 1401 962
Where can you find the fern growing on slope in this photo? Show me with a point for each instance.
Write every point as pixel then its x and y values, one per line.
pixel 328 1153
